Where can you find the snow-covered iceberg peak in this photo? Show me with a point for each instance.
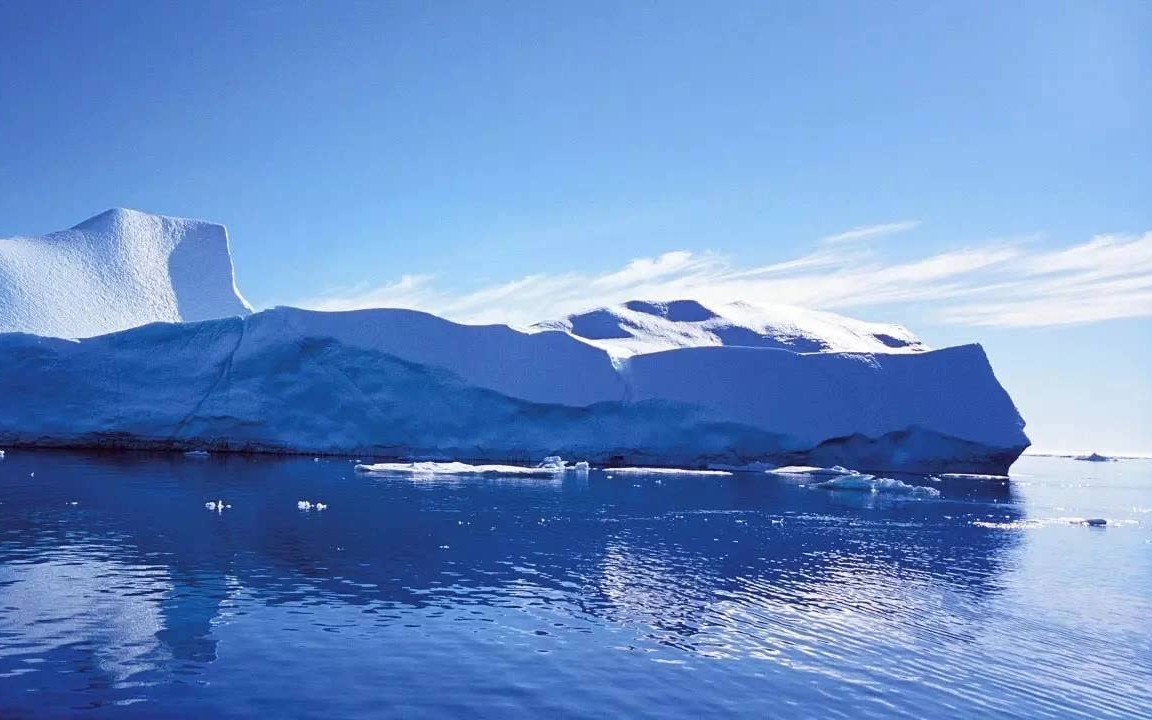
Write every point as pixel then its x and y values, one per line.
pixel 117 270
pixel 640 326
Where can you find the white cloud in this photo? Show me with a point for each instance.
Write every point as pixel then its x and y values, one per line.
pixel 870 231
pixel 1005 283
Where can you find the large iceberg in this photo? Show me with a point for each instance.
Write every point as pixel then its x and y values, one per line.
pixel 664 384
pixel 117 270
pixel 409 385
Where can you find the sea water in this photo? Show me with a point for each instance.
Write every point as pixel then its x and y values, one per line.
pixel 123 595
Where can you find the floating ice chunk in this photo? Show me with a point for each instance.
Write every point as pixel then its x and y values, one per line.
pixel 1 454
pixel 871 484
pixel 303 505
pixel 458 468
pixel 554 462
pixel 1094 522
pixel 970 476
pixel 580 467
pixel 216 505
pixel 320 506
pixel 196 454
pixel 665 471
pixel 834 471
pixel 1094 457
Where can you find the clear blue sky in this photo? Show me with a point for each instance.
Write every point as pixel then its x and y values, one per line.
pixel 349 144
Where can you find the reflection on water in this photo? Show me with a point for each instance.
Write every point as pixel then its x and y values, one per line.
pixel 678 596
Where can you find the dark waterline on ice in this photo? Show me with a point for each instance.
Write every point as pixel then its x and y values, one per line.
pixel 122 595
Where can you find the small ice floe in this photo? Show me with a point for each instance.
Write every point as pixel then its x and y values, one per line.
pixel 1 454
pixel 307 505
pixel 581 467
pixel 553 462
pixel 834 471
pixel 459 468
pixel 747 467
pixel 971 476
pixel 1094 457
pixel 875 485
pixel 1092 522
pixel 216 505
pixel 632 471
pixel 196 454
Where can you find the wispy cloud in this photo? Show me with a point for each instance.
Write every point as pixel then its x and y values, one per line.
pixel 1008 283
pixel 869 232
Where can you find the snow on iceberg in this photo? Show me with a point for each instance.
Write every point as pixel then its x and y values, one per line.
pixel 410 384
pixel 640 326
pixel 114 271
pixel 871 484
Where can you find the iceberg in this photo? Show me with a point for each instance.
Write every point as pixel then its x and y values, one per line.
pixel 406 384
pixel 117 270
pixel 875 485
pixel 128 331
pixel 459 468
pixel 809 470
pixel 1094 457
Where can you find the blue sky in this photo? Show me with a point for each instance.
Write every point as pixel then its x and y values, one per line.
pixel 510 160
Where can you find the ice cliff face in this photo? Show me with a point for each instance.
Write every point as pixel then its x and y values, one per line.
pixel 406 384
pixel 120 269
pixel 639 327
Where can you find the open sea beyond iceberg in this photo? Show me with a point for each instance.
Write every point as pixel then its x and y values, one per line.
pixel 160 584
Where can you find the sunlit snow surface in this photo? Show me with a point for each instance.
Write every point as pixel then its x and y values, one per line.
pixel 742 595
pixel 117 270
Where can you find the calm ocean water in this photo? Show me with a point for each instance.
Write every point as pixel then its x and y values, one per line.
pixel 122 595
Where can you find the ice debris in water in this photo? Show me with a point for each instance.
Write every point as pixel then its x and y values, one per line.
pixel 582 466
pixel 971 476
pixel 1093 522
pixel 309 505
pixel 869 483
pixel 1 454
pixel 196 454
pixel 216 505
pixel 666 471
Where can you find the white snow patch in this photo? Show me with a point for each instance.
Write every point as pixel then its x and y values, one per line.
pixel 638 327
